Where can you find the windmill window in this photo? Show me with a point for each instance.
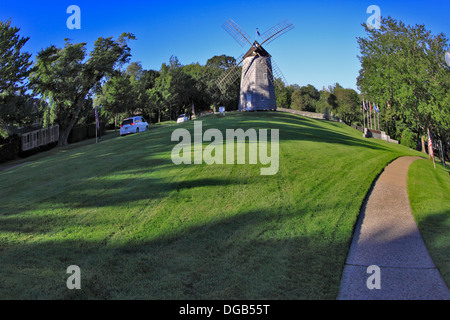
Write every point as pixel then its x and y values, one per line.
pixel 262 96
pixel 265 76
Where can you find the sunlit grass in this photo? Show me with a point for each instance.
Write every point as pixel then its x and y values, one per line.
pixel 140 227
pixel 429 194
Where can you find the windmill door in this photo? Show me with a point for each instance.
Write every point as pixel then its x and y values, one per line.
pixel 249 101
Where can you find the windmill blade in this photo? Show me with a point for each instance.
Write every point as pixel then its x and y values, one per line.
pixel 276 31
pixel 276 74
pixel 230 76
pixel 238 34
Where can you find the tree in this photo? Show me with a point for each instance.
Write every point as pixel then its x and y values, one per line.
pixel 326 100
pixel 176 88
pixel 14 70
pixel 146 82
pixel 348 104
pixel 283 94
pixel 215 68
pixel 134 70
pixel 117 96
pixel 305 98
pixel 66 80
pixel 404 66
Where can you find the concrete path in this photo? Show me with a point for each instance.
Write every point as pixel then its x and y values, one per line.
pixel 387 236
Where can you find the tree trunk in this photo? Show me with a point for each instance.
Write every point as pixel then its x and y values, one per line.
pixel 159 114
pixel 424 150
pixel 63 137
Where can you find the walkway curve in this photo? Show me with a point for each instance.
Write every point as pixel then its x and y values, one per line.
pixel 387 236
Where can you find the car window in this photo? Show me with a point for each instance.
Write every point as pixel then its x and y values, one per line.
pixel 138 120
pixel 127 121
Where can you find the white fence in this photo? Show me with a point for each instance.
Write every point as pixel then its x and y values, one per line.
pixel 38 138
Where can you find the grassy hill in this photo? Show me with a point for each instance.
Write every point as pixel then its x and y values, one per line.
pixel 140 227
pixel 429 196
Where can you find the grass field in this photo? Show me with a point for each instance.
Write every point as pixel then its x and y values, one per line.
pixel 140 227
pixel 429 193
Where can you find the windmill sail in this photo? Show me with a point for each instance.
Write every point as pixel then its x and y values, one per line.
pixel 238 34
pixel 276 74
pixel 230 75
pixel 276 31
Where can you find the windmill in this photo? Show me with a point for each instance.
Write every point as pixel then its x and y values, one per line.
pixel 259 72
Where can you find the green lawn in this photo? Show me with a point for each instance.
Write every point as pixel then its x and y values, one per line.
pixel 429 193
pixel 140 227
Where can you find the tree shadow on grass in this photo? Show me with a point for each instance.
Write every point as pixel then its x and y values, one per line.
pixel 434 229
pixel 101 193
pixel 237 257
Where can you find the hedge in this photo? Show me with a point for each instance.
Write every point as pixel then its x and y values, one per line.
pixel 83 132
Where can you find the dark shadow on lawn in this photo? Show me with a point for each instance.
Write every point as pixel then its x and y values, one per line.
pixel 237 257
pixel 434 230
pixel 140 154
pixel 100 194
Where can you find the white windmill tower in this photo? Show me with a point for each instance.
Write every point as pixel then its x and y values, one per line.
pixel 259 72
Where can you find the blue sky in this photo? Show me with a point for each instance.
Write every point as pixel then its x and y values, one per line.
pixel 321 50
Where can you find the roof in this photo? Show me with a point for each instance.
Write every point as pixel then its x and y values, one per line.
pixel 255 50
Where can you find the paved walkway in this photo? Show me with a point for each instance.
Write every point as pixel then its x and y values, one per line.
pixel 387 236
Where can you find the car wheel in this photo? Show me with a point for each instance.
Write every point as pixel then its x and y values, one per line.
pixel 137 130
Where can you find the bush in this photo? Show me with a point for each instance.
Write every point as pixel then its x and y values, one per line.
pixel 408 139
pixel 9 148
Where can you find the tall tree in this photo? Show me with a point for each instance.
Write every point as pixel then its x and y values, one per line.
pixel 117 96
pixel 215 67
pixel 404 65
pixel 66 80
pixel 348 105
pixel 14 70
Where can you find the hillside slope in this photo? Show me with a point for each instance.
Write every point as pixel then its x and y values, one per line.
pixel 139 226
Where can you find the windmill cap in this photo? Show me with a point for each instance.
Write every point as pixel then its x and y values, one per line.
pixel 257 50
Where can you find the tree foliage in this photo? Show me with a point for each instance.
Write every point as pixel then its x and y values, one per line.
pixel 64 78
pixel 403 69
pixel 117 96
pixel 15 107
pixel 349 104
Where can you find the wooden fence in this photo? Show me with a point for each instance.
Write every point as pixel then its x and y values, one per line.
pixel 34 139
